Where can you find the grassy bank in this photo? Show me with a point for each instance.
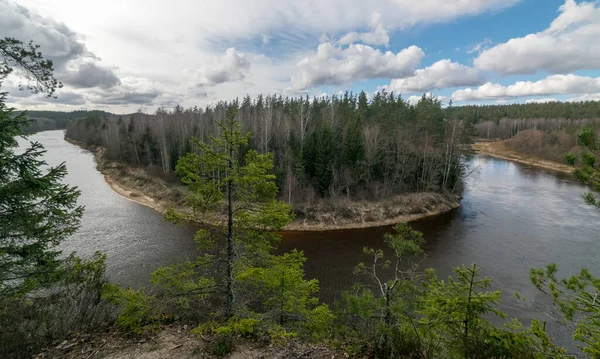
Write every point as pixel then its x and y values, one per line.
pixel 140 186
pixel 498 149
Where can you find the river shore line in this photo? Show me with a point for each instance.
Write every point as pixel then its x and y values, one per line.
pixel 138 185
pixel 498 149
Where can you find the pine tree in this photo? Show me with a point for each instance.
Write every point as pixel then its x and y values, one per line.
pixel 455 310
pixel 389 304
pixel 234 195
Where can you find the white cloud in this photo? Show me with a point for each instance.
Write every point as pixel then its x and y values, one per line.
pixel 586 97
pixel 480 46
pixel 541 100
pixel 551 85
pixel 569 44
pixel 243 19
pixel 74 64
pixel 415 99
pixel 265 39
pixel 336 65
pixel 214 70
pixel 174 44
pixel 377 36
pixel 440 75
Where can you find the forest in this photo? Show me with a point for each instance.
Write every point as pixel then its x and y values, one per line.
pixel 57 120
pixel 323 147
pixel 544 110
pixel 344 145
pixel 547 131
pixel 239 290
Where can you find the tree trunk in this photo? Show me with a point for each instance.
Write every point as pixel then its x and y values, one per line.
pixel 230 297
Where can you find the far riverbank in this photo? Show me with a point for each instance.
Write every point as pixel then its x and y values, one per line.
pixel 498 149
pixel 139 186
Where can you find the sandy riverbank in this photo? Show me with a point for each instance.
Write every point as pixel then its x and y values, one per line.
pixel 137 185
pixel 498 149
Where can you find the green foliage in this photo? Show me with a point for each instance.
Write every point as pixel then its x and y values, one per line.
pixel 379 321
pixel 514 341
pixel 588 172
pixel 576 298
pixel 454 320
pixel 342 145
pixel 74 303
pixel 44 295
pixel 37 211
pixel 587 138
pixel 233 193
pixel 220 348
pixel 404 241
pixel 288 302
pixel 181 285
pixel 319 158
pixel 138 312
pixel 28 62
pixel 419 316
pixel 549 110
pixel 588 159
pixel 454 311
pixel 570 159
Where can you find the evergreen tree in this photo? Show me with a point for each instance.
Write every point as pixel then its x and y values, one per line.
pixel 354 150
pixel 37 211
pixel 381 316
pixel 577 296
pixel 234 195
pixel 363 106
pixel 455 310
pixel 38 72
pixel 319 158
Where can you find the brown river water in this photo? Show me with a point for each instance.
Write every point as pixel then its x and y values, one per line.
pixel 513 217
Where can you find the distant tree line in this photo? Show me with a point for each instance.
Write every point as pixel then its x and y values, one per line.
pixel 57 120
pixel 547 130
pixel 325 146
pixel 545 110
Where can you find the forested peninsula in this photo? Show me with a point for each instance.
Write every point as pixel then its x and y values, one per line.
pixel 341 161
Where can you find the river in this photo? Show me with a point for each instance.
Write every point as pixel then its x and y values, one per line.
pixel 513 217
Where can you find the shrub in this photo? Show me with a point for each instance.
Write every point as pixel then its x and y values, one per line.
pixel 74 303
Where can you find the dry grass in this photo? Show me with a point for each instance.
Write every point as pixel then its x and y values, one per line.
pixel 139 185
pixel 343 213
pixel 499 150
pixel 172 342
pixel 550 146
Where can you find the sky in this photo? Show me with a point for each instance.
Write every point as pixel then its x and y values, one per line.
pixel 125 55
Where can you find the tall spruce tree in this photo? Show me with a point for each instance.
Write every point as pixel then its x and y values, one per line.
pixel 37 211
